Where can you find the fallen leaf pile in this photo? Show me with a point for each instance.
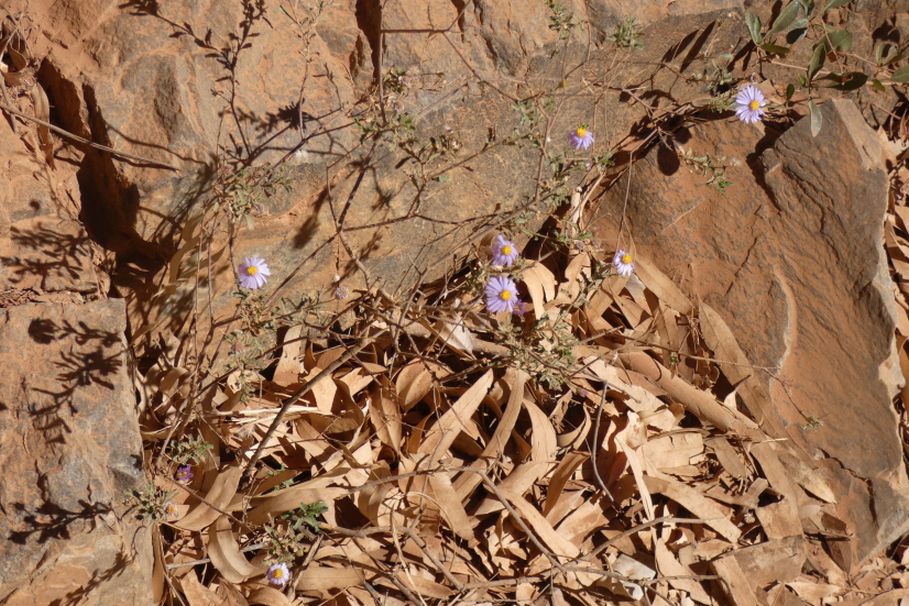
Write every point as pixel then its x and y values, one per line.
pixel 590 451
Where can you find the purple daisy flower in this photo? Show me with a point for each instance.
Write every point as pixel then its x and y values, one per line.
pixel 623 263
pixel 501 294
pixel 253 273
pixel 504 252
pixel 749 104
pixel 581 138
pixel 185 474
pixel 278 574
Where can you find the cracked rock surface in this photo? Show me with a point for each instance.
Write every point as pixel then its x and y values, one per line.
pixel 792 258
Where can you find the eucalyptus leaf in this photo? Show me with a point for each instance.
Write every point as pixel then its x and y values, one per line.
pixel 816 119
pixel 790 90
pixel 753 22
pixel 785 18
pixel 901 75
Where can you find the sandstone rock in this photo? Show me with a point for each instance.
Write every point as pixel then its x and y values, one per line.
pixel 605 15
pixel 42 245
pixel 153 79
pixel 71 455
pixel 791 257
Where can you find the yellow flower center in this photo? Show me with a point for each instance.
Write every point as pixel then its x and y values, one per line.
pixel 626 258
pixel 581 132
pixel 278 573
pixel 506 250
pixel 754 104
pixel 505 295
pixel 252 270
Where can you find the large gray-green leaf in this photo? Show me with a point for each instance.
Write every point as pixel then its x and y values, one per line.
pixel 753 22
pixel 885 52
pixel 901 75
pixel 775 49
pixel 807 6
pixel 847 81
pixel 817 59
pixel 797 31
pixel 841 40
pixel 785 18
pixel 816 118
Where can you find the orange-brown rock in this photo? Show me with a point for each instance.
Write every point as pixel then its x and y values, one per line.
pixel 165 80
pixel 792 257
pixel 71 457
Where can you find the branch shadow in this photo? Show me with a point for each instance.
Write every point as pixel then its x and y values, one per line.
pixel 92 359
pixel 98 578
pixel 50 521
pixel 83 356
pixel 55 253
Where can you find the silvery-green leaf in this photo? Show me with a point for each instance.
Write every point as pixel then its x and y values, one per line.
pixel 841 40
pixel 848 81
pixel 901 75
pixel 753 23
pixel 817 59
pixel 775 49
pixel 785 18
pixel 816 118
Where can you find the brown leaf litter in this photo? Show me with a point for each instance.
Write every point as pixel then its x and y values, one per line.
pixel 591 452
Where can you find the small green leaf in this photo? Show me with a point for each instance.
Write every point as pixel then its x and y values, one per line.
pixel 876 85
pixel 884 53
pixel 901 75
pixel 816 119
pixel 753 22
pixel 775 49
pixel 790 90
pixel 807 6
pixel 785 18
pixel 835 4
pixel 797 32
pixel 847 81
pixel 841 40
pixel 817 59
